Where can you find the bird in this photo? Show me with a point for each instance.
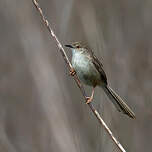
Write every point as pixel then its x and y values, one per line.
pixel 90 72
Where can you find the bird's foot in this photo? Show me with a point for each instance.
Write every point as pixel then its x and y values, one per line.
pixel 89 99
pixel 72 72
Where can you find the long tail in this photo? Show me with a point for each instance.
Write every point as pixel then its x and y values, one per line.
pixel 118 102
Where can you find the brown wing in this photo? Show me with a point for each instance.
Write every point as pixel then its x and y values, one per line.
pixel 99 66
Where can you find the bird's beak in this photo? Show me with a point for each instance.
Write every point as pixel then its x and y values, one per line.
pixel 70 46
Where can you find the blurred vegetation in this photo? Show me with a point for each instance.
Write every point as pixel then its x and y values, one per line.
pixel 41 109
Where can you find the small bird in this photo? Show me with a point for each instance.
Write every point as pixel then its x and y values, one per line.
pixel 90 71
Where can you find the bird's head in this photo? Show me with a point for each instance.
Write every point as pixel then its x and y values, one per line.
pixel 76 46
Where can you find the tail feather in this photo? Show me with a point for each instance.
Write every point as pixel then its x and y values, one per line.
pixel 118 102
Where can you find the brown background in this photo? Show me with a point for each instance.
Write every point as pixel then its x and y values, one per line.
pixel 41 109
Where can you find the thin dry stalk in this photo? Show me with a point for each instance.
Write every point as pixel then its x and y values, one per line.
pixel 96 113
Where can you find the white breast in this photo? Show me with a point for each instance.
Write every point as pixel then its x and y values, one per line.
pixel 84 68
pixel 80 61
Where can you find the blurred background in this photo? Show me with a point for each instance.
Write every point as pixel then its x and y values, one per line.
pixel 41 108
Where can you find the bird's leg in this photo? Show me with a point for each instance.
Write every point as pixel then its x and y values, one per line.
pixel 89 99
pixel 72 72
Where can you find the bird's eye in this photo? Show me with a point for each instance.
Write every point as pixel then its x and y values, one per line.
pixel 77 46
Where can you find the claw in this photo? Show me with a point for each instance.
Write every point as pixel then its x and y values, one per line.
pixel 89 100
pixel 72 72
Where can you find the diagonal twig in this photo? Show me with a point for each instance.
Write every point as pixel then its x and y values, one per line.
pixel 75 77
